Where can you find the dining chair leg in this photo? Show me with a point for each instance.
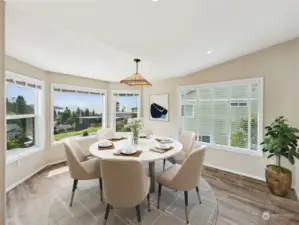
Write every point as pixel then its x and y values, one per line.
pixel 159 195
pixel 186 206
pixel 106 213
pixel 75 183
pixel 101 188
pixel 198 195
pixel 164 162
pixel 148 202
pixel 138 214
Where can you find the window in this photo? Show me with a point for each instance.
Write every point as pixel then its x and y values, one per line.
pixel 203 138
pixel 77 112
pixel 23 111
pixel 187 110
pixel 226 114
pixel 126 105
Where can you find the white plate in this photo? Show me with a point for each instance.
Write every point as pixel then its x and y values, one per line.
pixel 128 151
pixel 164 148
pixel 166 141
pixel 105 144
pixel 163 139
pixel 116 137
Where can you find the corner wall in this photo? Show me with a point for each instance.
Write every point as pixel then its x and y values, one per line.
pixel 2 116
pixel 279 67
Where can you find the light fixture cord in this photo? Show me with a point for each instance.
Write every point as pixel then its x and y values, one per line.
pixel 137 67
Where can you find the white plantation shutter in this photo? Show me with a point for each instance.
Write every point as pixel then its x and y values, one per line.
pixel 227 112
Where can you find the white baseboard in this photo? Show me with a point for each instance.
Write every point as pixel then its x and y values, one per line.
pixel 236 172
pixel 32 174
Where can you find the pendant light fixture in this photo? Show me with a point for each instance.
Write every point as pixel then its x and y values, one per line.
pixel 136 79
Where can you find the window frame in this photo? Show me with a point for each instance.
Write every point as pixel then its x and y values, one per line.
pixel 76 88
pixel 260 129
pixel 193 108
pixel 113 107
pixel 39 123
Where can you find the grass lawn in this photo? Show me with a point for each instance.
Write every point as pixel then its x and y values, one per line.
pixel 58 137
pixel 120 126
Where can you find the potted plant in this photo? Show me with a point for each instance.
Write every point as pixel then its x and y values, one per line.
pixel 280 140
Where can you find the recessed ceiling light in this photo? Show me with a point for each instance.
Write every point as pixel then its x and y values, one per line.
pixel 209 52
pixel 155 0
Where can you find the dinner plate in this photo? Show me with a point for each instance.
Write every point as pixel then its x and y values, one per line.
pixel 116 138
pixel 167 148
pixel 163 139
pixel 130 152
pixel 166 141
pixel 105 144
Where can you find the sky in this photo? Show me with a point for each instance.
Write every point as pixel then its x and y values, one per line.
pixel 13 91
pixel 72 101
pixel 127 101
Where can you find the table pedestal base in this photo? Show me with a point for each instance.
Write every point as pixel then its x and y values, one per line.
pixel 152 174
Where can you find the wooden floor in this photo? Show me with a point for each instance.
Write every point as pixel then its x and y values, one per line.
pixel 241 201
pixel 245 201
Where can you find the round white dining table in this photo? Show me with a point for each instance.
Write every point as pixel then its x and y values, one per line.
pixel 144 145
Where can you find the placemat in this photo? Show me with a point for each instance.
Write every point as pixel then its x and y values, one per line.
pixel 115 140
pixel 159 150
pixel 144 137
pixel 106 148
pixel 137 154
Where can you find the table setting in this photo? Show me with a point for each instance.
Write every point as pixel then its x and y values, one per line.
pixel 146 148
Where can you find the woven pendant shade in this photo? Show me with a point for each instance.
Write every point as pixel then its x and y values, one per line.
pixel 136 79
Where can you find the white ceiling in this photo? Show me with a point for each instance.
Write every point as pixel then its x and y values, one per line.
pixel 99 38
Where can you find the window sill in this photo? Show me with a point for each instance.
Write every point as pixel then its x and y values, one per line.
pixel 19 153
pixel 231 149
pixel 77 138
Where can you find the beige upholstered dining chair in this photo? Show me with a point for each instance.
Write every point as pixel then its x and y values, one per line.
pixel 104 134
pixel 184 177
pixel 147 131
pixel 80 167
pixel 187 138
pixel 124 184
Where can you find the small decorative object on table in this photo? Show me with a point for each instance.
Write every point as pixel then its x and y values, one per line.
pixel 135 125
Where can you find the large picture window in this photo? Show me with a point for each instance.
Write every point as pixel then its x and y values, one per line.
pixel 23 111
pixel 77 112
pixel 126 104
pixel 226 114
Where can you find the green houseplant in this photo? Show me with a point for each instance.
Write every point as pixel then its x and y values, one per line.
pixel 280 140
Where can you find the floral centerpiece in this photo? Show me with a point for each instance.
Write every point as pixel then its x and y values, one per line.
pixel 135 125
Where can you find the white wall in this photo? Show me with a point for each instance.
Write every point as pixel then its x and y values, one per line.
pixel 279 67
pixel 2 117
pixel 296 174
